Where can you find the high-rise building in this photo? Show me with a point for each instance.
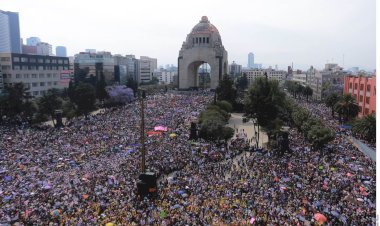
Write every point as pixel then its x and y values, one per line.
pixel 1 81
pixel 10 41
pixel 33 41
pixel 252 74
pixel 61 51
pixel 44 48
pixel 146 69
pixel 234 69
pixel 251 60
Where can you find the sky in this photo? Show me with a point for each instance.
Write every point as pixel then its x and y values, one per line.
pixel 278 32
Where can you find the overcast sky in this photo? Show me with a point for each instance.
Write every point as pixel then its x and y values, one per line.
pixel 305 32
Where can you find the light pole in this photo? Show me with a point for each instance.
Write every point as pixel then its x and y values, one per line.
pixel 142 135
pixel 257 133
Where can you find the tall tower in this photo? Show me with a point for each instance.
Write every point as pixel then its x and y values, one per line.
pixel 10 41
pixel 251 60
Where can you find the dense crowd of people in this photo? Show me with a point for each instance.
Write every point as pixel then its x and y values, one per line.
pixel 85 174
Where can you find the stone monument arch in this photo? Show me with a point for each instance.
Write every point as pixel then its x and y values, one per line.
pixel 202 45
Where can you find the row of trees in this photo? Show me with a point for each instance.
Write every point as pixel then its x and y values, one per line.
pixel 298 90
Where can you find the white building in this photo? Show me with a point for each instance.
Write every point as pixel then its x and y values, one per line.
pixel 45 49
pixel 165 76
pixel 147 66
pixel 300 78
pixel 252 74
pixel 39 73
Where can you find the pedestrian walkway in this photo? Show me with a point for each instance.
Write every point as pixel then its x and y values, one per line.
pixel 363 148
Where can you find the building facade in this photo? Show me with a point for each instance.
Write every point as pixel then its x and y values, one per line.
pixel 33 41
pixel 1 81
pixel 39 73
pixel 165 76
pixel 363 89
pixel 251 60
pixel 234 69
pixel 61 51
pixel 147 66
pixel 10 40
pixel 96 63
pixel 29 49
pixel 252 74
pixel 44 48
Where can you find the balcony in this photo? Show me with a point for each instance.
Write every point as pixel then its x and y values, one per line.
pixel 350 90
pixel 361 92
pixel 361 104
pixel 368 94
pixel 355 91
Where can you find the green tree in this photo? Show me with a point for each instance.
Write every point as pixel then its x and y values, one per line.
pixel 242 82
pixel 308 91
pixel 131 83
pixel 331 101
pixel 50 102
pixel 308 124
pixel 226 90
pixel 224 105
pixel 347 107
pixel 85 98
pixel 319 136
pixel 69 109
pixel 366 127
pixel 299 90
pixel 101 92
pixel 299 116
pixel 16 95
pixel 291 86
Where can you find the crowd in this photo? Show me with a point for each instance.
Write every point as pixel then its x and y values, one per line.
pixel 85 174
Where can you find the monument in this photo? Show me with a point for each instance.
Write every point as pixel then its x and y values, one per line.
pixel 202 45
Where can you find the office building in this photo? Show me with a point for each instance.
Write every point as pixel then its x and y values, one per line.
pixel 61 51
pixel 252 74
pixel 96 64
pixel 363 89
pixel 147 66
pixel 1 81
pixel 44 48
pixel 10 41
pixel 39 73
pixel 234 69
pixel 251 60
pixel 33 41
pixel 165 76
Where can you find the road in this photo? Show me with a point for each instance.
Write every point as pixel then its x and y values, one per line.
pixel 363 148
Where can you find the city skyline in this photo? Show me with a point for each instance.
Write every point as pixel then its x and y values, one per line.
pixel 277 33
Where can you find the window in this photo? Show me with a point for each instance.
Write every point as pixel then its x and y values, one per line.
pixel 356 86
pixel 40 68
pixel 24 67
pixel 35 93
pixel 26 75
pixel 5 59
pixel 42 92
pixel 34 84
pixel 367 100
pixel 60 68
pixel 54 61
pixel 207 40
pixel 33 67
pixel 47 61
pixel 350 85
pixel 41 76
pixel 40 60
pixel 32 60
pixel 24 59
pixel 55 83
pixel 361 98
pixel 49 83
pixel 5 67
pixel 34 75
pixel 66 62
pixel 361 86
pixel 204 40
pixel 60 61
pixel 18 76
pixel 42 83
pixel 9 75
pixel 366 111
pixel 16 59
pixel 368 88
pixel 48 75
pixel 54 75
pixel 16 67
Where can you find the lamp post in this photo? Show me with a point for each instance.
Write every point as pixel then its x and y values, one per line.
pixel 142 135
pixel 257 133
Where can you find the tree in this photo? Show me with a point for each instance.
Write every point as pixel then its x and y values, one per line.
pixel 85 98
pixel 224 105
pixel 101 92
pixel 291 86
pixel 347 107
pixel 16 95
pixel 242 82
pixel 299 90
pixel 308 91
pixel 120 94
pixel 366 127
pixel 50 102
pixel 331 101
pixel 264 102
pixel 308 124
pixel 131 83
pixel 69 109
pixel 319 136
pixel 299 116
pixel 226 90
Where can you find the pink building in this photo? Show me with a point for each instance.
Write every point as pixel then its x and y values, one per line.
pixel 364 91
